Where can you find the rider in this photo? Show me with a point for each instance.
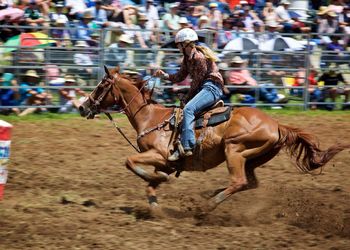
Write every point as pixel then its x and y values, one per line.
pixel 199 62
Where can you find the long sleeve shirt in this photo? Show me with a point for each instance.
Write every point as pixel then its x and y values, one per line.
pixel 200 69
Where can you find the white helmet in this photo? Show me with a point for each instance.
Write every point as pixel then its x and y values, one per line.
pixel 186 34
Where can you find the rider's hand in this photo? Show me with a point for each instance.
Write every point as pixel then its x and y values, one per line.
pixel 160 73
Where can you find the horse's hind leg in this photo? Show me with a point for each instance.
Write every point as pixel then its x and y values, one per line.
pixel 241 170
pixel 238 178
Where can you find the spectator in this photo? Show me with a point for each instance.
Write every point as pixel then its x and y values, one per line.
pixel 32 15
pixel 184 23
pixel 331 79
pixel 69 96
pixel 83 59
pixel 154 84
pixel 152 14
pixel 335 51
pixel 120 53
pixel 61 36
pixel 203 23
pixel 314 92
pixel 222 37
pixel 99 14
pixel 192 16
pixel 58 14
pixel 31 94
pixel 242 80
pixel 171 20
pixel 215 17
pixel 269 13
pixel 137 33
pixel 327 24
pixel 9 10
pixel 85 28
pixel 76 8
pixel 248 18
pixel 8 96
pixel 283 16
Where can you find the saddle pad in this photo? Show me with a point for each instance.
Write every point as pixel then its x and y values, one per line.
pixel 215 119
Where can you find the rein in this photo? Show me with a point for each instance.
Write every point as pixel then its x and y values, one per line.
pixel 121 132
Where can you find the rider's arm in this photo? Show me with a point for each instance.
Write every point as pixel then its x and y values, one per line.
pixel 180 75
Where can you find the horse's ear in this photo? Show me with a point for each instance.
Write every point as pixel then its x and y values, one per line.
pixel 117 68
pixel 106 70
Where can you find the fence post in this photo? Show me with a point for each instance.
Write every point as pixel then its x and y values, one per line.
pixel 307 74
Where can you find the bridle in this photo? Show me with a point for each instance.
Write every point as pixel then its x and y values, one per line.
pixel 107 84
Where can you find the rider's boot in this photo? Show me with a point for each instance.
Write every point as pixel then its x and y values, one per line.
pixel 179 153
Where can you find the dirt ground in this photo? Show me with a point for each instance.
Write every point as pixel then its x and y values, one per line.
pixel 68 189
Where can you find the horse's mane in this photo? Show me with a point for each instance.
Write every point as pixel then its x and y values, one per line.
pixel 139 84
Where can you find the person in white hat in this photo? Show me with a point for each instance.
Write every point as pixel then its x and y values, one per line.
pixel 58 13
pixel 199 63
pixel 283 16
pixel 82 58
pixel 171 20
pixel 69 96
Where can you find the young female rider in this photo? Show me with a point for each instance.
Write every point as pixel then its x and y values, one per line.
pixel 206 87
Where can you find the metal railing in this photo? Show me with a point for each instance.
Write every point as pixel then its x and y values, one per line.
pixel 261 64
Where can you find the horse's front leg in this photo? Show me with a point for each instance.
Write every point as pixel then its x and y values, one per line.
pixel 153 158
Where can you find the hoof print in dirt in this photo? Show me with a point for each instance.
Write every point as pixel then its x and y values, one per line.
pixel 66 200
pixel 138 213
pixel 89 203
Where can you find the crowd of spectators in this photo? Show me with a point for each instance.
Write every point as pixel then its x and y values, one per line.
pixel 137 25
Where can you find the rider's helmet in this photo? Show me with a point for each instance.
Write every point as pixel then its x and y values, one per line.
pixel 186 34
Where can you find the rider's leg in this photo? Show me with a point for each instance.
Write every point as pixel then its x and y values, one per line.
pixel 209 94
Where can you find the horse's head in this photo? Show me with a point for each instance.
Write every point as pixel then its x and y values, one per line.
pixel 103 96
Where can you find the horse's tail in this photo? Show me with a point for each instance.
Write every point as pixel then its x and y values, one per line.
pixel 304 147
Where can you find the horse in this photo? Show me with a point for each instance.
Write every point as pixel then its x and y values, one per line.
pixel 247 140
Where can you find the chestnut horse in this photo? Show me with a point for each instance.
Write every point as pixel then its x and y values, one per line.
pixel 247 140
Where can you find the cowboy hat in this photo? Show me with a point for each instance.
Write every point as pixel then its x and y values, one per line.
pixel 322 10
pixel 131 72
pixel 69 78
pixel 81 44
pixel 203 18
pixel 285 2
pixel 183 20
pixel 126 39
pixel 173 5
pixel 87 15
pixel 213 5
pixel 31 73
pixel 237 59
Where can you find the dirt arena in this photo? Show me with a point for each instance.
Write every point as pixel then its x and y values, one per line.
pixel 68 189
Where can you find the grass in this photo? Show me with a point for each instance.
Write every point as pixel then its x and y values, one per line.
pixel 289 111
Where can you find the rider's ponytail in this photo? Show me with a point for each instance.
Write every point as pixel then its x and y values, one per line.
pixel 207 52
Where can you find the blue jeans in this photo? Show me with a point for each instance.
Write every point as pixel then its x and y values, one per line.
pixel 207 96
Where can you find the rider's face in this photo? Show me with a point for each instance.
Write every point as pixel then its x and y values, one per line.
pixel 184 47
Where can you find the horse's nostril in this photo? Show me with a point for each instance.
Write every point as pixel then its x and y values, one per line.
pixel 81 109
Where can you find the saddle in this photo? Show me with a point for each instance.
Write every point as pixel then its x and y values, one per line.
pixel 211 116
